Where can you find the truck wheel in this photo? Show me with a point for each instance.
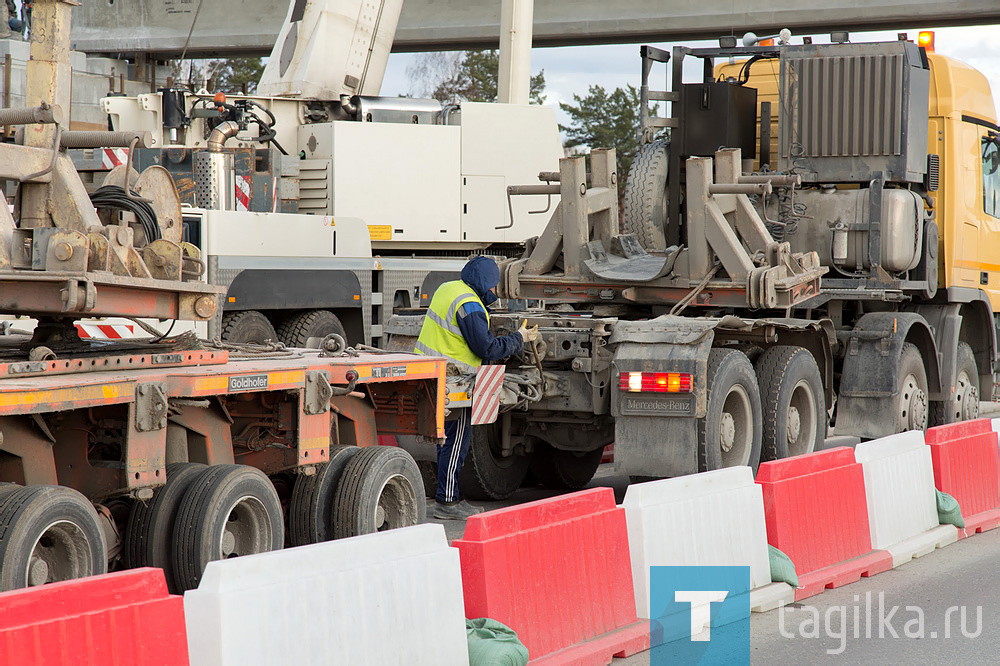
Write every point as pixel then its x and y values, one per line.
pixel 310 514
pixel 964 402
pixel 49 534
pixel 730 433
pixel 150 531
pixel 645 212
pixel 911 402
pixel 297 329
pixel 569 470
pixel 486 474
pixel 380 490
pixel 247 326
pixel 227 511
pixel 791 391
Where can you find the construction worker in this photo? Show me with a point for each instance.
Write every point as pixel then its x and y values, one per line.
pixel 457 326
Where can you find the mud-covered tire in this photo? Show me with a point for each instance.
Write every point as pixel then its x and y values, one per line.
pixel 645 211
pixel 297 329
pixel 380 489
pixel 247 326
pixel 310 513
pixel 227 511
pixel 486 475
pixel 732 390
pixel 963 404
pixel 911 409
pixel 149 533
pixel 48 534
pixel 793 402
pixel 564 470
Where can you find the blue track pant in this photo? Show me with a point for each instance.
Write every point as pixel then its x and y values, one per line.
pixel 451 455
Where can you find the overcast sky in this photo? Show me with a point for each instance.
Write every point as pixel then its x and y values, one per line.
pixel 572 69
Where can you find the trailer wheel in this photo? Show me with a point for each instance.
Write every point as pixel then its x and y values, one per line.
pixel 964 402
pixel 7 489
pixel 380 490
pixel 791 390
pixel 310 515
pixel 227 511
pixel 486 474
pixel 297 329
pixel 730 433
pixel 560 469
pixel 247 326
pixel 150 531
pixel 645 212
pixel 911 403
pixel 48 534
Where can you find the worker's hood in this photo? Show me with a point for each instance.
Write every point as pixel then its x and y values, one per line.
pixel 482 274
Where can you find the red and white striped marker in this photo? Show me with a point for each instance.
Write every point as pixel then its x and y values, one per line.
pixel 112 157
pixel 486 394
pixel 244 186
pixel 105 331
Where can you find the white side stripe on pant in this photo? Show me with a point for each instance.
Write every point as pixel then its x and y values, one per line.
pixel 456 452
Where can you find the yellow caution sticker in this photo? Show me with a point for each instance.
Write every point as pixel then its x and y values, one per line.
pixel 380 232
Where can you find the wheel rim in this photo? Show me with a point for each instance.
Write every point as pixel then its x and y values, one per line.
pixel 736 428
pixel 802 419
pixel 912 404
pixel 966 397
pixel 397 504
pixel 247 529
pixel 61 552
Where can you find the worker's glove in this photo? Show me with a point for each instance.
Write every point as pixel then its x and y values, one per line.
pixel 528 334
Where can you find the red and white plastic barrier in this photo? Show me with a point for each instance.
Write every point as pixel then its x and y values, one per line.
pixel 388 597
pixel 966 467
pixel 557 572
pixel 117 618
pixel 902 507
pixel 817 514
pixel 711 519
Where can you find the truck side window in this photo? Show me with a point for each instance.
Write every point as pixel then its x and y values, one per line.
pixel 991 176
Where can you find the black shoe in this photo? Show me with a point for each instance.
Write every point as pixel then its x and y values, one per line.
pixel 455 510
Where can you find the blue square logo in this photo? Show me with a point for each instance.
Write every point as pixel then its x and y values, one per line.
pixel 699 615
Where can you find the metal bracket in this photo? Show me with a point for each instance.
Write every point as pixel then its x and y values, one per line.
pixel 317 393
pixel 150 407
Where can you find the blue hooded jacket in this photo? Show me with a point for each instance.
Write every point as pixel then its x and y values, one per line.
pixel 481 275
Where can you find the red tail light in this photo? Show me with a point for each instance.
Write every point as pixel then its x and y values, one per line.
pixel 655 382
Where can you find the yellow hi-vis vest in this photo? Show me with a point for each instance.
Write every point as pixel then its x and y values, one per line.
pixel 440 335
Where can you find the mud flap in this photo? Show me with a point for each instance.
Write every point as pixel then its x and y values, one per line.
pixel 656 434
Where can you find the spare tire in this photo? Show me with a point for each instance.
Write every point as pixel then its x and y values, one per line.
pixel 645 213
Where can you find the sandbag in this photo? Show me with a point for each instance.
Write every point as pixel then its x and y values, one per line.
pixel 948 510
pixel 493 643
pixel 782 567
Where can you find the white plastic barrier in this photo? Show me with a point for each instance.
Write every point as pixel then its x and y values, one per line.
pixel 709 519
pixel 389 598
pixel 899 486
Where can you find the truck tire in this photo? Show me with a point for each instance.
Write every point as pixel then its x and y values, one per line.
pixel 730 434
pixel 150 530
pixel 911 403
pixel 380 490
pixel 792 399
pixel 247 326
pixel 310 513
pixel 227 511
pixel 645 212
pixel 564 470
pixel 48 534
pixel 964 402
pixel 297 329
pixel 486 475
